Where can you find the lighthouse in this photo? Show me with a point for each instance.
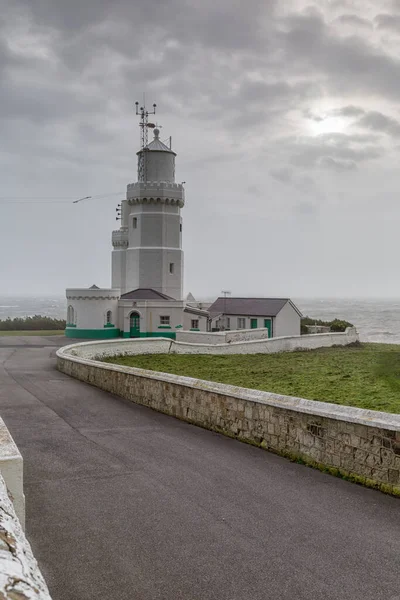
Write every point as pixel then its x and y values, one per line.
pixel 146 294
pixel 147 249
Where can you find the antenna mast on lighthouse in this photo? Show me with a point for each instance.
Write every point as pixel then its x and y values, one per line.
pixel 144 133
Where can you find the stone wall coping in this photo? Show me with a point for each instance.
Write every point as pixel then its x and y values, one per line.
pixel 311 407
pixel 20 576
pixel 11 468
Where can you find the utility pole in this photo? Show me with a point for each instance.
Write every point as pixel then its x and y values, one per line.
pixel 224 320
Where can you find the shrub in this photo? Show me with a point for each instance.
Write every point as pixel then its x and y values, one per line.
pixel 336 325
pixel 35 323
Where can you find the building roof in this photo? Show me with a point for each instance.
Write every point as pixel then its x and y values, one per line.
pixel 196 311
pixel 252 307
pixel 145 294
pixel 157 145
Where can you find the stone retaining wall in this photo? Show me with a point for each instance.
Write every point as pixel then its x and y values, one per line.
pixel 361 445
pixel 20 577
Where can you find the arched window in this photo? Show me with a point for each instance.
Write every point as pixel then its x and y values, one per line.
pixel 109 317
pixel 70 315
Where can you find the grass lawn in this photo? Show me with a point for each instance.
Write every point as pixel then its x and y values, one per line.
pixel 32 332
pixel 367 376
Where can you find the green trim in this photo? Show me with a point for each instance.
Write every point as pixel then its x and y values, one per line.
pixel 70 325
pixel 151 334
pixel 164 327
pixel 195 329
pixel 109 325
pixel 178 326
pixel 94 334
pixel 268 325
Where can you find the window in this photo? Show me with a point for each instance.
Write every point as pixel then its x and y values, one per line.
pixel 195 323
pixel 241 323
pixel 228 322
pixel 171 267
pixel 164 320
pixel 109 317
pixel 70 315
pixel 134 222
pixel 253 323
pixel 180 227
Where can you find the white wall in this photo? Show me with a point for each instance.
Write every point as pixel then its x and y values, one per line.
pixel 200 337
pixel 189 317
pixel 222 337
pixel 287 321
pixel 90 307
pixel 91 350
pixel 233 323
pixel 11 468
pixel 150 313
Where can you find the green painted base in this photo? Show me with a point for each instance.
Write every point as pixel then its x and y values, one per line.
pixel 151 334
pixel 94 334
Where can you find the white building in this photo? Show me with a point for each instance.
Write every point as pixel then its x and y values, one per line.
pixel 279 315
pixel 146 297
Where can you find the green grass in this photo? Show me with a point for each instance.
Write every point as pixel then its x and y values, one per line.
pixel 367 375
pixel 32 332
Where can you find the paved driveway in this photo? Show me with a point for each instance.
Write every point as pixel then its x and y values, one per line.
pixel 125 503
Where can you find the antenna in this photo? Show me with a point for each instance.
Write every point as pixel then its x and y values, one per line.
pixel 144 125
pixel 225 318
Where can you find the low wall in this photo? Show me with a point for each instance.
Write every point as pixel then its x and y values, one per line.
pixel 20 577
pixel 11 468
pixel 166 346
pixel 357 444
pixel 222 337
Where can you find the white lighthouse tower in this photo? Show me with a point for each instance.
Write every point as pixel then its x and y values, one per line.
pixel 146 297
pixel 147 249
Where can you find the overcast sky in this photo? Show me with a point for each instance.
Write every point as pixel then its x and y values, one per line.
pixel 285 116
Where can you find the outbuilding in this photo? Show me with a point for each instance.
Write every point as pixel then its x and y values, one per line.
pixel 279 315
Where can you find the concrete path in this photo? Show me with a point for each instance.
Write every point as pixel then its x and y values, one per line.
pixel 125 503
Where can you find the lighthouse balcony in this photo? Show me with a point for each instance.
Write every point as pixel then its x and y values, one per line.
pixel 120 238
pixel 164 192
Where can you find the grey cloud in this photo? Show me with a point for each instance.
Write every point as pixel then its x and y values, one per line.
pixel 337 164
pixel 306 209
pixel 348 64
pixel 388 22
pixel 288 175
pixel 354 21
pixel 348 111
pixel 345 149
pixel 377 121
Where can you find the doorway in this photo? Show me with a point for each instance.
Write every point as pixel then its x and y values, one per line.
pixel 134 325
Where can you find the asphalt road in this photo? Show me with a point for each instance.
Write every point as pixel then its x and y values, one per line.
pixel 125 503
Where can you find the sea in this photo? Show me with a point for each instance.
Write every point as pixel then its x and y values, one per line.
pixel 376 320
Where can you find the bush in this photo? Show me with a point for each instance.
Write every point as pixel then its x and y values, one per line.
pixel 35 323
pixel 337 325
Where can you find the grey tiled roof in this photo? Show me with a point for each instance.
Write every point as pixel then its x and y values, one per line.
pixel 145 294
pixel 252 307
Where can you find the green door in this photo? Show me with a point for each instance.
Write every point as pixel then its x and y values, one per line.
pixel 253 323
pixel 268 325
pixel 135 325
